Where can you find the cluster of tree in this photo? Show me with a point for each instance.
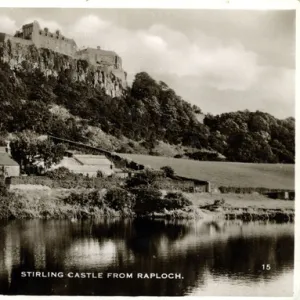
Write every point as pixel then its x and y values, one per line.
pixel 252 137
pixel 139 195
pixel 149 111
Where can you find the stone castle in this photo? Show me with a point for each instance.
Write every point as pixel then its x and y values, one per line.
pixel 108 62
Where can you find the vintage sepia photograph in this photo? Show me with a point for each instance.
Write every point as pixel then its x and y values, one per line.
pixel 147 152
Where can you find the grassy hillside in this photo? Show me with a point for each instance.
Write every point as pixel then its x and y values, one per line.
pixel 273 176
pixel 149 118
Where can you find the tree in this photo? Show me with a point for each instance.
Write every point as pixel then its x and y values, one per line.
pixel 119 199
pixel 27 149
pixel 50 153
pixel 148 200
pixel 144 86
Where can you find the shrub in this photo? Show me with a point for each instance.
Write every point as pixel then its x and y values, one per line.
pixel 2 142
pixel 176 201
pixel 145 178
pixel 125 149
pixel 148 200
pixel 60 173
pixel 169 171
pixel 204 156
pixel 92 198
pixel 3 189
pixel 119 199
pixel 99 174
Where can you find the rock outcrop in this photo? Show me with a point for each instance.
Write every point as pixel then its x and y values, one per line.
pixel 21 56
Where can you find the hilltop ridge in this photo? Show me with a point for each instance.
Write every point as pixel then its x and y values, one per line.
pixel 149 115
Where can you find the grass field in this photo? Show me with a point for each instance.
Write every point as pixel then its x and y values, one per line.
pixel 273 176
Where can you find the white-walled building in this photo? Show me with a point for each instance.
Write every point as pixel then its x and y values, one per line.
pixel 8 167
pixel 87 164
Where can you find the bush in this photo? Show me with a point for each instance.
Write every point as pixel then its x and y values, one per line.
pixel 119 199
pixel 146 178
pixel 204 156
pixel 60 173
pixel 169 171
pixel 3 189
pixel 148 200
pixel 176 201
pixel 92 198
pixel 2 142
pixel 100 174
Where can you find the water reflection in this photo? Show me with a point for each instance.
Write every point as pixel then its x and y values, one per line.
pixel 226 255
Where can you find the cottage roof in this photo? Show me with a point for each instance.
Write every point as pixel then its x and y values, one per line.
pixel 96 160
pixel 6 160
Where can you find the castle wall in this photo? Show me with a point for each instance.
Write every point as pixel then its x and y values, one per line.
pixel 56 44
pixel 52 41
pixel 103 68
pixel 98 56
pixel 15 40
pixel 42 38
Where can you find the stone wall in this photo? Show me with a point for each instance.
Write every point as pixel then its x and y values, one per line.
pixel 55 43
pixel 98 56
pixel 43 38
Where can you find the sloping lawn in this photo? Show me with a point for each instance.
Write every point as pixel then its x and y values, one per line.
pixel 273 176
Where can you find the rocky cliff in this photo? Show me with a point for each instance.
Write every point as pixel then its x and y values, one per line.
pixel 21 56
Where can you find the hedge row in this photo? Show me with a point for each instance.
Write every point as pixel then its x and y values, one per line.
pixel 142 201
pixel 247 190
pixel 76 182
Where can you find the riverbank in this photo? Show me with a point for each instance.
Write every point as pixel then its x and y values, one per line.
pixel 28 202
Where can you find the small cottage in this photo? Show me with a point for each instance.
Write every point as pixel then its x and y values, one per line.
pixel 8 167
pixel 86 164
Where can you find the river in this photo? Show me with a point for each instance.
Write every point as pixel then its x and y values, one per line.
pixel 226 258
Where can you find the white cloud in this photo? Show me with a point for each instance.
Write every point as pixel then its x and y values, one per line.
pixel 90 25
pixel 7 25
pixel 160 50
pixel 199 66
pixel 154 42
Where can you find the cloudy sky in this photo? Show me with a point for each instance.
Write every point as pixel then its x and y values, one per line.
pixel 221 60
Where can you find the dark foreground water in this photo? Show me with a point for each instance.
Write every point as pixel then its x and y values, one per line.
pixel 216 258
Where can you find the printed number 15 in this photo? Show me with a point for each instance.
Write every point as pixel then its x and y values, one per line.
pixel 266 267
